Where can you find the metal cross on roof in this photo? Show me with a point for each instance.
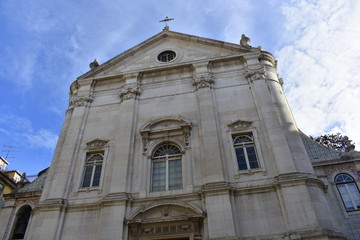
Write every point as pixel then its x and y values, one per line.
pixel 166 20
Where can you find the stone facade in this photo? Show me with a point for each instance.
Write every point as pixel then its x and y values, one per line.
pixel 183 137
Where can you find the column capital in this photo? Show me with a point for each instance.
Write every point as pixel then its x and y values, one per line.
pixel 78 101
pixel 255 74
pixel 204 80
pixel 129 92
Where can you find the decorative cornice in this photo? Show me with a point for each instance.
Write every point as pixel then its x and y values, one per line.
pixel 296 178
pixel 16 195
pixel 129 92
pixel 216 188
pixel 266 56
pixel 78 101
pixel 203 81
pixel 54 202
pixel 51 205
pixel 116 198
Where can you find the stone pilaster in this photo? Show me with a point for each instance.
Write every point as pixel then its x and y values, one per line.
pixel 293 170
pixel 203 82
pixel 125 133
pixel 270 119
pixel 113 208
pixel 220 212
pixel 60 175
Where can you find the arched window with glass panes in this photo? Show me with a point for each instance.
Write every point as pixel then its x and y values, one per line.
pixel 245 151
pixel 92 171
pixel 349 191
pixel 166 168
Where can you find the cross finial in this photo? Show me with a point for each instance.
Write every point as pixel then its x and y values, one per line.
pixel 166 20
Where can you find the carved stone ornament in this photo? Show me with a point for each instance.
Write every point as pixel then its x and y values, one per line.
pixel 78 101
pixel 96 144
pixel 32 201
pixel 129 92
pixel 94 64
pixel 255 74
pixel 175 128
pixel 240 124
pixel 203 81
pixel 166 220
pixel 331 169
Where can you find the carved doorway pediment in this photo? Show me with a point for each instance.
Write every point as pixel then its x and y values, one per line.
pixel 167 221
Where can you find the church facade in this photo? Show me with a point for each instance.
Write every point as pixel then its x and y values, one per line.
pixel 183 137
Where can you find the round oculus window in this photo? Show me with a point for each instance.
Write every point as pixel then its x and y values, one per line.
pixel 166 56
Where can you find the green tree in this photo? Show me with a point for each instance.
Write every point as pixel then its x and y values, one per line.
pixel 335 141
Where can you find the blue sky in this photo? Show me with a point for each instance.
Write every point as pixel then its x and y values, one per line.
pixel 46 45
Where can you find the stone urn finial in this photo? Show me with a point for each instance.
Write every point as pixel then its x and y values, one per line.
pixel 245 41
pixel 94 64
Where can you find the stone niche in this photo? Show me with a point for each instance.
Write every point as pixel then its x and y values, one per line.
pixel 166 221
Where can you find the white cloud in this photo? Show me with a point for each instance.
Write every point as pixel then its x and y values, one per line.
pixel 320 65
pixel 20 132
pixel 42 139
pixel 239 20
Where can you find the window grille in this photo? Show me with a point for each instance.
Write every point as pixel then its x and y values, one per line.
pixel 166 56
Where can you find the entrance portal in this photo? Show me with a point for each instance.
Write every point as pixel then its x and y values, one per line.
pixel 166 222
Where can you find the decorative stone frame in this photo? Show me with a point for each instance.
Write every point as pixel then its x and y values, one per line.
pixel 240 127
pixel 166 220
pixel 178 56
pixel 167 130
pixel 95 146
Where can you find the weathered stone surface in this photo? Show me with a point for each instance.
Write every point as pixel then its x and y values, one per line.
pixel 199 101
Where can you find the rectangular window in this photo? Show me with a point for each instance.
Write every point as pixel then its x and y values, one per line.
pixel 245 150
pixel 92 171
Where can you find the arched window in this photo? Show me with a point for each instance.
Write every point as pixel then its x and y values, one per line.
pixel 92 170
pixel 166 168
pixel 245 152
pixel 349 191
pixel 22 220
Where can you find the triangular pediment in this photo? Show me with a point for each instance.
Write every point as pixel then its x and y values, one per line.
pixel 143 57
pixel 166 124
pixel 96 144
pixel 240 124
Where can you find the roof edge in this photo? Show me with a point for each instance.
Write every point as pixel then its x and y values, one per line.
pixel 162 34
